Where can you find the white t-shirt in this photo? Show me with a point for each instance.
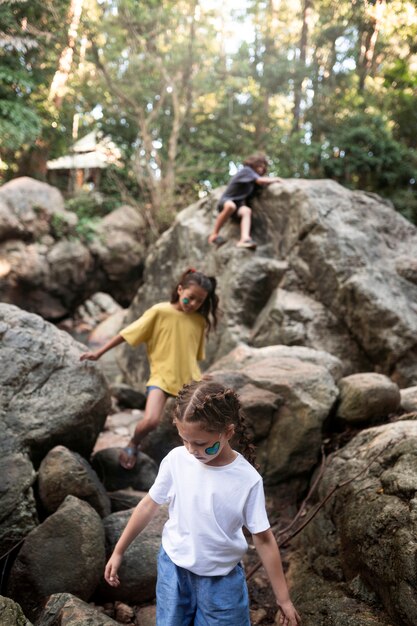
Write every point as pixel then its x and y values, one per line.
pixel 207 508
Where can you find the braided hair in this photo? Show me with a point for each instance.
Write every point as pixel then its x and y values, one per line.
pixel 209 307
pixel 215 407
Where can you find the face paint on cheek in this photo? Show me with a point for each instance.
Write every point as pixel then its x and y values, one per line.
pixel 213 449
pixel 185 301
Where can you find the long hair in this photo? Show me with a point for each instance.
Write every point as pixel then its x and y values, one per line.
pixel 215 407
pixel 210 305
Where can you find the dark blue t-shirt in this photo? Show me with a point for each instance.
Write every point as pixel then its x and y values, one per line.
pixel 241 186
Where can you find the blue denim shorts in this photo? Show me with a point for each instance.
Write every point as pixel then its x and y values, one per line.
pixel 184 598
pixel 151 387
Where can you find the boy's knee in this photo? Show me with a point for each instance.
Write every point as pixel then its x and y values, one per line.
pixel 245 210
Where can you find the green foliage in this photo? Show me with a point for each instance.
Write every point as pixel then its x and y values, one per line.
pixel 185 100
pixel 18 124
pixel 363 153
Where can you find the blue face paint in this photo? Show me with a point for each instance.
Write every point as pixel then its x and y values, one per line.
pixel 185 301
pixel 213 449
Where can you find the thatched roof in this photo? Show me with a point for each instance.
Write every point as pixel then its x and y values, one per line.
pixel 88 153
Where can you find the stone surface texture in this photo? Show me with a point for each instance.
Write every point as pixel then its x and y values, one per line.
pixel 324 253
pixel 368 529
pixel 65 553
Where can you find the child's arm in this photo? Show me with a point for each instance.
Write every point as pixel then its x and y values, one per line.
pixel 268 180
pixel 93 356
pixel 267 548
pixel 139 519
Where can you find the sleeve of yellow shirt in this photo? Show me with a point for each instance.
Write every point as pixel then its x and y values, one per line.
pixel 141 330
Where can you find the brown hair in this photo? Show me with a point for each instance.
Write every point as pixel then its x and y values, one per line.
pixel 216 407
pixel 209 307
pixel 256 159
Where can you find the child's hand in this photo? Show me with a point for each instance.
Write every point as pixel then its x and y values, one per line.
pixel 89 356
pixel 288 615
pixel 112 567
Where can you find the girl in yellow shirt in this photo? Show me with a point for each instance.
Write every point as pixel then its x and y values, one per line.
pixel 174 334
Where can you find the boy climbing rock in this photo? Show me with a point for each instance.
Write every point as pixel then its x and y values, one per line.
pixel 234 202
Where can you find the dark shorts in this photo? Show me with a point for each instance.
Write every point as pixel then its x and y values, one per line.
pixel 238 204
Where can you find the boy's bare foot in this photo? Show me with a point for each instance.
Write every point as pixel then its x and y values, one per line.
pixel 128 456
pixel 247 243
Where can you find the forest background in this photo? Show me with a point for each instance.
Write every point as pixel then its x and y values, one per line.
pixel 187 88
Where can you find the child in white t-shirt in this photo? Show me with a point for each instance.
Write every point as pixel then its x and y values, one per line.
pixel 212 491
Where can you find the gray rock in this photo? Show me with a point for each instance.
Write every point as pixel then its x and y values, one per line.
pixel 64 554
pixel 48 397
pixel 370 524
pixel 147 615
pixel 159 442
pixel 18 515
pixel 317 240
pixel 27 207
pixel 127 397
pixel 409 399
pixel 325 602
pixel 124 499
pixel 120 243
pixel 96 309
pixel 137 572
pixel 366 397
pixel 11 613
pixel 293 318
pixel 64 473
pixel 114 477
pixel 45 267
pixel 64 609
pixel 297 396
pixel 406 267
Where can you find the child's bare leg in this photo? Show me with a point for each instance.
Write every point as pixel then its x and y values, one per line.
pixel 155 404
pixel 245 214
pixel 229 208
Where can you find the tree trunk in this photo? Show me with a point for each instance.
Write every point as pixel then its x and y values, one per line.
pixel 60 79
pixel 300 75
pixel 368 43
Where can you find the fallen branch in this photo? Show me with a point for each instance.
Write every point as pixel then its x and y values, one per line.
pixel 320 505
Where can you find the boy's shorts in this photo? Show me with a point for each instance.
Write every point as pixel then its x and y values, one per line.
pixel 238 204
pixel 184 598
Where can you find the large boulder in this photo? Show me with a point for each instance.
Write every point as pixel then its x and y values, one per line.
pixel 367 531
pixel 119 246
pixel 27 208
pixel 367 397
pixel 62 473
pixel 65 553
pixel 47 265
pixel 137 572
pixel 286 394
pixel 18 514
pixel 333 253
pixel 47 397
